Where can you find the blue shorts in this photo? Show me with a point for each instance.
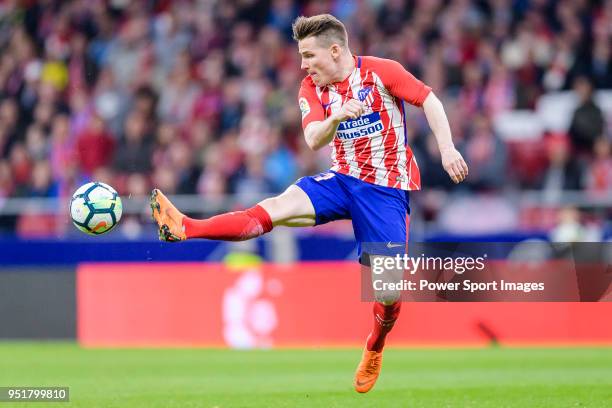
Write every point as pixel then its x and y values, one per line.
pixel 379 214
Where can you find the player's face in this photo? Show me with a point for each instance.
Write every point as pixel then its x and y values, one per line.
pixel 319 61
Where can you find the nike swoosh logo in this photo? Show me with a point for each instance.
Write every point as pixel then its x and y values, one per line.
pixel 326 105
pixel 361 384
pixel 390 245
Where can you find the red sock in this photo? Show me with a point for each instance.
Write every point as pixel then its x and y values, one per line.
pixel 384 319
pixel 232 226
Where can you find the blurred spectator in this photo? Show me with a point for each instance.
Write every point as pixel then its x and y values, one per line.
pixel 137 186
pixel 165 179
pixel 596 63
pixel 44 113
pixel 179 93
pixel 600 67
pixel 181 160
pixel 55 73
pixel 432 172
pixel 499 93
pixel 9 117
pixel 486 155
pixel 170 39
pixel 129 52
pixel 145 102
pixel 6 179
pixel 21 166
pixel 81 109
pixel 109 100
pixel 281 16
pixel 62 147
pixel 587 122
pixel 95 146
pixel 254 180
pixel 564 171
pixel 82 69
pixel 209 102
pixel 213 181
pixel 135 149
pixel 571 229
pixel 200 136
pixel 42 184
pixel 37 143
pixel 167 135
pixel 232 105
pixel 108 176
pixel 599 171
pixel 471 96
pixel 392 15
pixel 231 153
pixel 279 164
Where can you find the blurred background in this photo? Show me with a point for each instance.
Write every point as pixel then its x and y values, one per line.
pixel 199 99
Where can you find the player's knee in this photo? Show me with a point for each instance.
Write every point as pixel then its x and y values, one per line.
pixel 273 207
pixel 387 297
pixel 290 204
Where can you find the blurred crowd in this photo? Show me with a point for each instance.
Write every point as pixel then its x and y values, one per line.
pixel 199 97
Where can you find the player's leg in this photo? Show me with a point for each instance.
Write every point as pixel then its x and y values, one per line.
pixel 386 310
pixel 291 208
pixel 379 217
pixel 387 305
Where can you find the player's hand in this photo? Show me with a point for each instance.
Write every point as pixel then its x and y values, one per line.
pixel 350 110
pixel 453 163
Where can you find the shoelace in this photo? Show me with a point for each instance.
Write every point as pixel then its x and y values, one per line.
pixel 372 367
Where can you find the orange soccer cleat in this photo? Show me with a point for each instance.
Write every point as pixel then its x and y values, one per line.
pixel 169 219
pixel 368 370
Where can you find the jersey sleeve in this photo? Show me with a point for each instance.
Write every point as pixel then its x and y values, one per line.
pixel 310 106
pixel 399 82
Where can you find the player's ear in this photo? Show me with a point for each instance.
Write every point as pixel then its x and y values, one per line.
pixel 335 51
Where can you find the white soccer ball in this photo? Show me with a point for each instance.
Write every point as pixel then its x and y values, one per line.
pixel 95 208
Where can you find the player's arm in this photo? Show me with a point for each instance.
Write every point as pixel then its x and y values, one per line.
pixel 321 133
pixel 403 85
pixel 452 161
pixel 319 130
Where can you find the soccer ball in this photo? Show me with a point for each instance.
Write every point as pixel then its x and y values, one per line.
pixel 95 208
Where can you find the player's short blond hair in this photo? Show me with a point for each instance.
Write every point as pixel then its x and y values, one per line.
pixel 325 27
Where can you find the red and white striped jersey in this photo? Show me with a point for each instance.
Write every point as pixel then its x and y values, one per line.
pixel 372 147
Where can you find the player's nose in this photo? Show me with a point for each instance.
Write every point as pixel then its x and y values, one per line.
pixel 304 65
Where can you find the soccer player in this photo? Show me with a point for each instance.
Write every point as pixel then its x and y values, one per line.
pixel 354 103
